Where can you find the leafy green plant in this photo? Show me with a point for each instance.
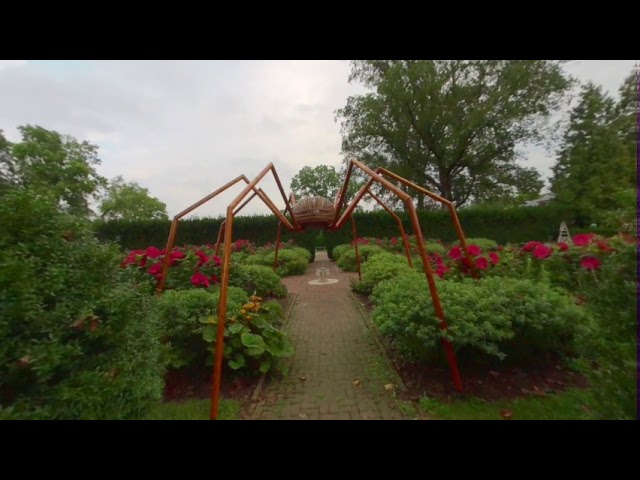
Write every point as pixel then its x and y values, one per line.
pixel 609 355
pixel 485 244
pixel 340 249
pixel 257 279
pixel 378 268
pixel 253 342
pixel 493 317
pixel 347 260
pixel 289 262
pixel 179 312
pixel 77 339
pixel 303 252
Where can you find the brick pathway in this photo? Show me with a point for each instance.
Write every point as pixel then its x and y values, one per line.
pixel 334 348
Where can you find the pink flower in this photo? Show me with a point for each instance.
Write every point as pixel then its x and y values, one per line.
pixel 590 263
pixel 155 269
pixel 583 239
pixel 542 251
pixel 153 252
pixel 474 250
pixel 215 279
pixel 217 261
pixel 603 247
pixel 394 240
pixel 482 263
pixel 175 256
pixel 441 270
pixel 203 258
pixel 199 279
pixel 455 253
pixel 563 247
pixel 494 258
pixel 530 246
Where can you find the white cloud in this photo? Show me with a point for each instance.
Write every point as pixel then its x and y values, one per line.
pixel 11 63
pixel 184 128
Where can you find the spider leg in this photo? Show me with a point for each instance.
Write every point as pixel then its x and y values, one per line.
pixel 435 297
pixel 398 220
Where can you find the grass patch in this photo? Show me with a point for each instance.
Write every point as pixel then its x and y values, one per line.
pixel 572 404
pixel 195 409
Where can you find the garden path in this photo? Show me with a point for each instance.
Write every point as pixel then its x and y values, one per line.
pixel 339 370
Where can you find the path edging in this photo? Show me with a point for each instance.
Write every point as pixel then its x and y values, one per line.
pixel 378 339
pixel 287 318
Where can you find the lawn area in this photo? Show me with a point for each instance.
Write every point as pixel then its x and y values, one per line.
pixel 570 405
pixel 195 409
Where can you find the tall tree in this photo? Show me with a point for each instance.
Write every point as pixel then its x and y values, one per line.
pixel 451 126
pixel 628 110
pixel 59 165
pixel 129 201
pixel 323 181
pixel 595 161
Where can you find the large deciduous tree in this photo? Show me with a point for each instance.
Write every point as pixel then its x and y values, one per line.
pixel 129 201
pixel 322 181
pixel 452 126
pixel 55 164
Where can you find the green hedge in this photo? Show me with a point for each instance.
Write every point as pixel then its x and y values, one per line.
pixel 260 229
pixel 513 225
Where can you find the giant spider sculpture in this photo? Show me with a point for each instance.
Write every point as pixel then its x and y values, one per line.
pixel 316 213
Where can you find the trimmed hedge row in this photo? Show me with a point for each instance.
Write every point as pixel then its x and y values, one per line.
pixel 515 225
pixel 260 229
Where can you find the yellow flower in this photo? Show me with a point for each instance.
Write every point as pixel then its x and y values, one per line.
pixel 243 311
pixel 248 317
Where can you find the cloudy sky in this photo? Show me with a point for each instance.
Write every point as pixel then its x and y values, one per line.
pixel 184 128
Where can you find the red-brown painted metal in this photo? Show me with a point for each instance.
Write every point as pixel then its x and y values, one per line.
pixel 407 250
pixel 450 207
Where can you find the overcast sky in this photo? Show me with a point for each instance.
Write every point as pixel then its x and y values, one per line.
pixel 184 128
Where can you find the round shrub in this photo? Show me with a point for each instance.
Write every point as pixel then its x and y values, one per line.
pixel 257 279
pixel 492 317
pixel 347 260
pixel 339 250
pixel 303 252
pixel 485 244
pixel 378 268
pixel 179 312
pixel 289 263
pixel 434 247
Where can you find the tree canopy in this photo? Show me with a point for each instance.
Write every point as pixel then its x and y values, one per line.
pixel 453 126
pixel 596 161
pixel 322 181
pixel 129 201
pixel 55 164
